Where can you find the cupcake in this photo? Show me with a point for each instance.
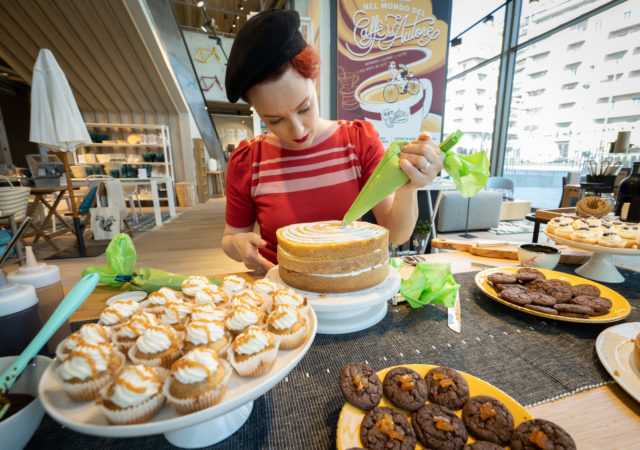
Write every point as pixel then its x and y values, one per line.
pixel 584 235
pixel 210 295
pixel 564 231
pixel 289 297
pixel 246 297
pixel 160 298
pixel 198 380
pixel 579 223
pixel 636 347
pixel 118 312
pixel 597 231
pixel 175 315
pixel 253 351
pixel 232 284
pixel 265 290
pixel 208 312
pixel 207 333
pixel 88 369
pixel 593 221
pixel 629 234
pixel 289 325
pixel 243 316
pixel 612 239
pixel 125 335
pixel 159 345
pixel 553 224
pixel 193 284
pixel 91 333
pixel 135 395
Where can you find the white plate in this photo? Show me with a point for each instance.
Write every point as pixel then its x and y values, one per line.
pixel 615 350
pixel 593 247
pixel 138 296
pixel 85 417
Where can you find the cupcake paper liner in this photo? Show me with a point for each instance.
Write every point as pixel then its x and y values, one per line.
pixel 293 340
pixel 164 361
pixel 220 348
pixel 202 401
pixel 90 389
pixel 257 365
pixel 135 414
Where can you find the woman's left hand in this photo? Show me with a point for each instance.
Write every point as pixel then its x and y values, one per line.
pixel 421 160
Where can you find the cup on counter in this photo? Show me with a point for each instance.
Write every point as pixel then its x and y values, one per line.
pixel 538 255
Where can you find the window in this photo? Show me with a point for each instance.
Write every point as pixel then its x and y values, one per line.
pixel 479 107
pixel 634 73
pixel 536 92
pixel 569 86
pixel 575 46
pixel 481 91
pixel 572 68
pixel 539 74
pixel 541 56
pixel 622 32
pixel 636 51
pixel 627 15
pixel 460 92
pixel 566 105
pixel 563 124
pixel 563 149
pixel 616 56
pixel 482 76
pixel 636 99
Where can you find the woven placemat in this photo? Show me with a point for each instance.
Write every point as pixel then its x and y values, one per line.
pixel 531 359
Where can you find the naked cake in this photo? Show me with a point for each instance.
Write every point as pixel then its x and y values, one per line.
pixel 327 257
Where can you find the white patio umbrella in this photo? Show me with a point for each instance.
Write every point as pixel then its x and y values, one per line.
pixel 56 121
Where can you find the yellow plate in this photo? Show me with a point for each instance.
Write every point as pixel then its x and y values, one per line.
pixel 348 434
pixel 620 307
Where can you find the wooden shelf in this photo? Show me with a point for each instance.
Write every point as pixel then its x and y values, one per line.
pixel 123 145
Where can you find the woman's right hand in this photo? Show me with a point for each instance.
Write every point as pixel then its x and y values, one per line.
pixel 246 247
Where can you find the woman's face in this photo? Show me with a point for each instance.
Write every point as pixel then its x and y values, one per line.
pixel 289 108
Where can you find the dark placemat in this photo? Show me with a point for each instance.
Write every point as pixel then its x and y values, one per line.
pixel 531 359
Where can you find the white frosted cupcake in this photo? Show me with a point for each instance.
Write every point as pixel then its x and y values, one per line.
pixel 254 351
pixel 612 239
pixel 210 295
pixel 91 333
pixel 246 297
pixel 118 312
pixel 629 234
pixel 243 316
pixel 125 335
pixel 584 235
pixel 597 231
pixel 135 395
pixel 175 315
pixel 208 312
pixel 160 298
pixel 289 325
pixel 289 297
pixel 553 224
pixel 593 221
pixel 198 380
pixel 192 284
pixel 579 223
pixel 265 290
pixel 232 284
pixel 88 369
pixel 205 333
pixel 159 346
pixel 564 231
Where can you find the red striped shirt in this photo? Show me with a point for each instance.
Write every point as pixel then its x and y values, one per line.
pixel 276 186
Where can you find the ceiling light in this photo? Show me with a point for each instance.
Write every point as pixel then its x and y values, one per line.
pixel 200 4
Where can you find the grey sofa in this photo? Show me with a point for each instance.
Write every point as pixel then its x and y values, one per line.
pixel 484 211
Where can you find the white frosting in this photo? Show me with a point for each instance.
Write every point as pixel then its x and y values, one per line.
pixel 209 294
pixel 579 223
pixel 564 231
pixel 200 332
pixel 628 232
pixel 192 284
pixel 94 333
pixel 283 318
pixel 189 374
pixel 592 221
pixel 156 339
pixel 243 316
pixel 84 359
pixel 233 284
pixel 118 312
pixel 144 380
pixel 164 296
pixel 246 297
pixel 348 274
pixel 265 288
pixel 288 297
pixel 584 234
pixel 253 340
pixel 136 325
pixel 331 231
pixel 174 313
pixel 207 312
pixel 611 237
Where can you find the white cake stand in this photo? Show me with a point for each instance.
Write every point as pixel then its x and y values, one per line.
pixel 200 429
pixel 600 266
pixel 348 312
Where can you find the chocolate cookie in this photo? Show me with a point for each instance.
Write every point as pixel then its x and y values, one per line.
pixel 539 434
pixel 360 385
pixel 386 429
pixel 483 445
pixel 528 274
pixel 516 296
pixel 585 289
pixel 543 309
pixel 438 428
pixel 489 419
pixel 537 286
pixel 599 305
pixel 542 299
pixel 559 289
pixel 447 387
pixel 573 309
pixel 502 278
pixel 405 388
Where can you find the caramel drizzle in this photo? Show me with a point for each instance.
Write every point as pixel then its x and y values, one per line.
pixel 169 333
pixel 188 363
pixel 175 307
pixel 205 327
pixel 104 353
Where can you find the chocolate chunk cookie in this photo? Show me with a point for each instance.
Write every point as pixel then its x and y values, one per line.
pixel 438 428
pixel 502 278
pixel 488 419
pixel 516 296
pixel 447 387
pixel 405 388
pixel 585 289
pixel 543 309
pixel 386 429
pixel 537 286
pixel 483 445
pixel 573 309
pixel 541 434
pixel 559 289
pixel 360 385
pixel 528 274
pixel 542 299
pixel 599 305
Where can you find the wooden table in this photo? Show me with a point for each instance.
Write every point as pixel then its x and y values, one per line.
pixel 605 418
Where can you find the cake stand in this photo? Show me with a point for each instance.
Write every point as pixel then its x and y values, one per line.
pixel 200 429
pixel 600 265
pixel 348 312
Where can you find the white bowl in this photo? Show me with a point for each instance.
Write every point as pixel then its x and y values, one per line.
pixel 538 255
pixel 16 431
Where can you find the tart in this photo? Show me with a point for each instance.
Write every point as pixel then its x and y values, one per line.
pixel 118 312
pixel 289 325
pixel 254 351
pixel 159 345
pixel 207 333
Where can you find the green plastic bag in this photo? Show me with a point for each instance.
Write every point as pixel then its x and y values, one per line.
pixel 469 172
pixel 430 284
pixel 149 279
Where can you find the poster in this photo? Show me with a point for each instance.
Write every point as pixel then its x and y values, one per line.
pixel 391 64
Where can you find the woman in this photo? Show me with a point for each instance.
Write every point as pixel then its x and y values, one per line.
pixel 307 168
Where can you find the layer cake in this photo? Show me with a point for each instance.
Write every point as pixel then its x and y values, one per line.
pixel 327 257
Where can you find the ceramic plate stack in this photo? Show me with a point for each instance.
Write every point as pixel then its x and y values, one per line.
pixel 14 200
